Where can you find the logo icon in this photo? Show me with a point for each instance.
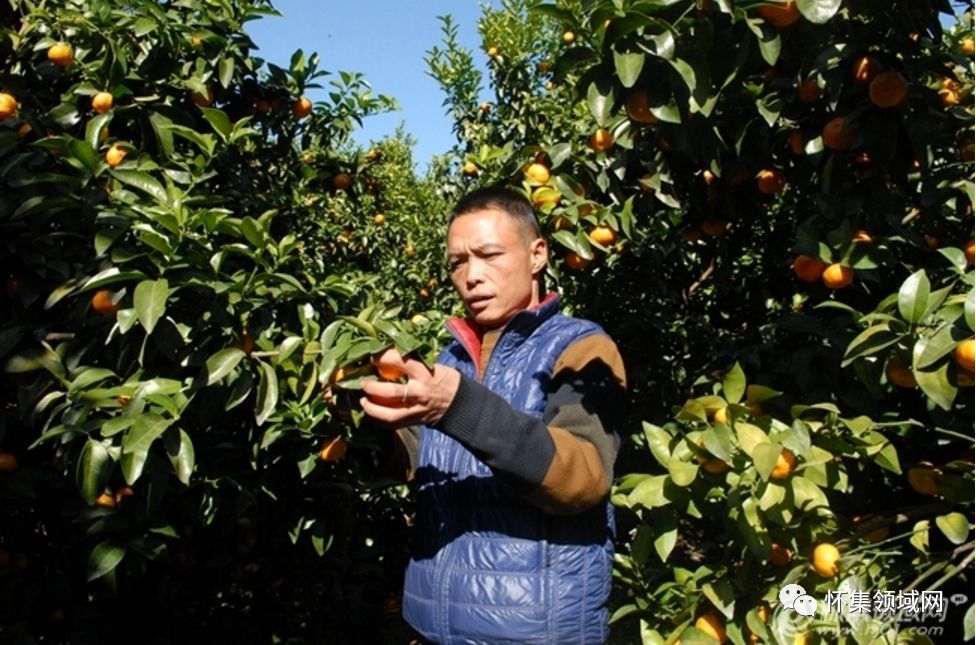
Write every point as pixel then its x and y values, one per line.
pixel 795 597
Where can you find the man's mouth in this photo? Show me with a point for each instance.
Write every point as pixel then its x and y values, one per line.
pixel 478 301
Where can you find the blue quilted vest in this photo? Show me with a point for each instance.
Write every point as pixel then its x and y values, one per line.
pixel 489 566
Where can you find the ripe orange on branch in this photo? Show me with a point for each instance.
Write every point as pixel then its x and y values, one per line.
pixel 8 106
pixel 61 54
pixel 864 69
pixel 114 155
pixel 102 303
pixel 824 561
pixel 302 107
pixel 837 276
pixel 8 462
pixel 341 181
pixel 808 269
pixel 603 235
pixel 899 374
pixel 102 102
pixel 771 181
pixel 711 625
pixel 964 355
pixel 537 173
pixel 888 89
pixel 333 449
pixel 638 109
pixel 838 134
pixel 809 91
pixel 575 261
pixel 784 464
pixel 924 478
pixel 600 140
pixel 203 99
pixel 780 14
pixel 779 555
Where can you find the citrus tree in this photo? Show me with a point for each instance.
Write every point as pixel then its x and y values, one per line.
pixel 169 470
pixel 778 195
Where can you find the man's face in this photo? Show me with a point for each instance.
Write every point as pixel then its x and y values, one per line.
pixel 492 265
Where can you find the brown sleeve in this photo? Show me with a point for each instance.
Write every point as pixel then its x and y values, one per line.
pixel 589 382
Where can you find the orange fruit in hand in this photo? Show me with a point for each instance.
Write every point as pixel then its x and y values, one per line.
pixel 825 557
pixel 389 372
pixel 865 69
pixel 780 14
pixel 771 181
pixel 888 89
pixel 807 268
pixel 838 134
pixel 837 276
pixel 102 303
pixel 784 464
pixel 638 109
pixel 536 173
pixel 8 462
pixel 60 54
pixel 711 625
pixel 779 555
pixel 8 106
pixel 603 235
pixel 102 102
pixel 333 449
pixel 964 355
pixel 600 140
pixel 302 107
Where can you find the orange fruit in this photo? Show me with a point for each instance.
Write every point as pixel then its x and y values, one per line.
pixel 967 46
pixel 797 144
pixel 638 110
pixel 469 168
pixel 808 269
pixel 873 535
pixel 964 355
pixel 333 449
pixel 262 105
pixel 784 464
pixel 342 181
pixel 103 304
pixel 302 107
pixel 715 466
pixel 714 227
pixel 424 293
pixel 545 195
pixel 970 251
pixel 536 173
pixel 948 98
pixel 771 181
pixel 409 249
pixel 600 140
pixel 899 374
pixel 824 561
pixel 196 41
pixel 204 99
pixel 575 261
pixel 8 106
pixel 924 478
pixel 114 155
pixel 123 493
pixel 569 37
pixel 721 415
pixel 837 276
pixel 862 237
pixel 8 462
pixel 711 625
pixel 379 218
pixel 809 91
pixel 779 555
pixel 780 14
pixel 102 102
pixel 561 223
pixel 107 500
pixel 862 159
pixel 837 134
pixel 864 69
pixel 492 52
pixel 763 611
pixel 603 235
pixel 244 343
pixel 60 54
pixel 888 89
pixel 389 372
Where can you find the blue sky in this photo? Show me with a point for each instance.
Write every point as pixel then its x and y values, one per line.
pixel 386 40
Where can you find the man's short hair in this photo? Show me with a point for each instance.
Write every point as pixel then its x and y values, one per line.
pixel 504 199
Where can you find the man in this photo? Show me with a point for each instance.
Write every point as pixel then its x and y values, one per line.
pixel 516 448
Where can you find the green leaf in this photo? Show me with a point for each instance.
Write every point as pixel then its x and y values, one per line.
pixel 267 392
pixel 144 182
pixel 650 492
pixel 218 120
pixel 686 72
pixel 226 72
pixel 665 527
pixel 913 296
pixel 35 358
pixel 928 350
pixel 94 128
pixel 628 67
pixel 89 376
pixel 682 472
pixel 150 302
pixel 765 455
pixel 954 526
pixel 969 624
pixel 85 153
pixel 870 341
pixel 104 558
pixel 818 11
pixel 220 364
pixel 600 98
pixel 936 386
pixel 179 449
pixel 971 309
pixel 137 441
pixel 93 470
pixel 658 441
pixel 749 437
pixel 734 384
pixel 806 495
pixel 920 536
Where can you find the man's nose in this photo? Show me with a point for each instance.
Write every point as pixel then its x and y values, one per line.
pixel 475 273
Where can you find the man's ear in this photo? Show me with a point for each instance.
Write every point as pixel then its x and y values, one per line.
pixel 538 255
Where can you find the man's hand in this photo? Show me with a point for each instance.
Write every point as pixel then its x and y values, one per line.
pixel 423 399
